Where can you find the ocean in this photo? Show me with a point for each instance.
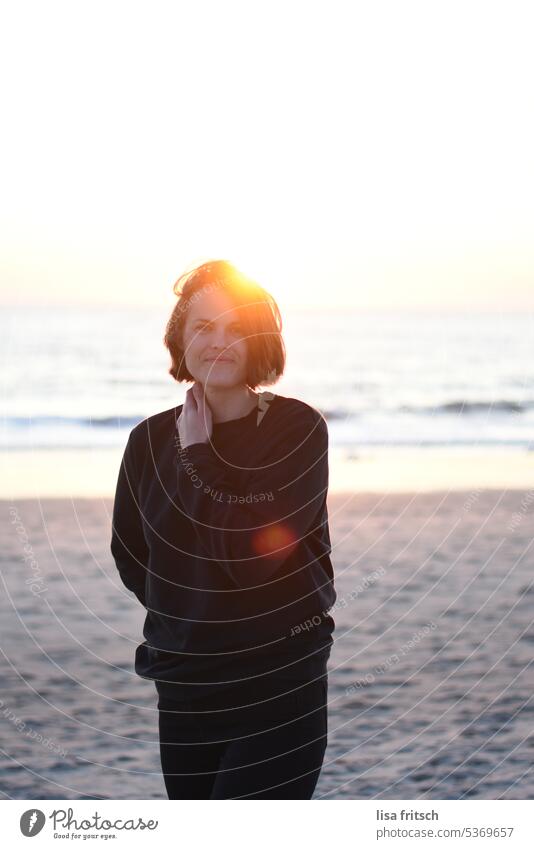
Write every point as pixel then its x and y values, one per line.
pixel 83 377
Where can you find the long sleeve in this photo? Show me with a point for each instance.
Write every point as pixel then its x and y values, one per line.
pixel 128 544
pixel 251 532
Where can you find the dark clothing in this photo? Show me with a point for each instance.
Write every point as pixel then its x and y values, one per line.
pixel 227 546
pixel 263 750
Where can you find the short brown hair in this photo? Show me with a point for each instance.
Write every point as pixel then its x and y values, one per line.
pixel 259 316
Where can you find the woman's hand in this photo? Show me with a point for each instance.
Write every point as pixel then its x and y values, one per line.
pixel 195 422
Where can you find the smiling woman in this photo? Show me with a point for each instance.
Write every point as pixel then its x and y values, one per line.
pixel 220 528
pixel 222 316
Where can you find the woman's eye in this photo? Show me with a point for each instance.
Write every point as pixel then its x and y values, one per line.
pixel 235 328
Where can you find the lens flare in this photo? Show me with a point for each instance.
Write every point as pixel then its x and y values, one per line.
pixel 276 540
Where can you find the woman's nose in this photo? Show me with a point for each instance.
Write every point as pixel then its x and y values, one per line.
pixel 220 338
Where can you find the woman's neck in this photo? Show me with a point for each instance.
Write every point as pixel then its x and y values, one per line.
pixel 229 404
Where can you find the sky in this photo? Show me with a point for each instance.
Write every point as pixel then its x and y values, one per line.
pixel 346 154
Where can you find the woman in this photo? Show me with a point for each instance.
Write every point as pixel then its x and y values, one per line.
pixel 220 528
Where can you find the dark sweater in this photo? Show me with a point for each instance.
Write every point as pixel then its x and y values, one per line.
pixel 227 546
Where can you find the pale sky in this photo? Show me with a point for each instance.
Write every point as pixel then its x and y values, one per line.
pixel 373 154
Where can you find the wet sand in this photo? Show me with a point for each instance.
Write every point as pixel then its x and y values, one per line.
pixel 93 472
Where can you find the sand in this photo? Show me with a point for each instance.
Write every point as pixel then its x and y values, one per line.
pixel 431 680
pixel 93 472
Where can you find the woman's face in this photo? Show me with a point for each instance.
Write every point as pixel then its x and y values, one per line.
pixel 215 350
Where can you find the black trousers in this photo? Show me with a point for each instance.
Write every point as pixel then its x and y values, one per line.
pixel 238 745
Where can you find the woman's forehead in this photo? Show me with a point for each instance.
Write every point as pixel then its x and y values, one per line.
pixel 213 305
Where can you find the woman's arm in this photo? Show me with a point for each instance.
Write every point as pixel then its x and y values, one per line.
pixel 128 544
pixel 252 532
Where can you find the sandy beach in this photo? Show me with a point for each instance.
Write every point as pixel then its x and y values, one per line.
pixel 93 473
pixel 430 675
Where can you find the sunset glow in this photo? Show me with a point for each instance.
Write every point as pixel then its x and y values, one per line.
pixel 390 167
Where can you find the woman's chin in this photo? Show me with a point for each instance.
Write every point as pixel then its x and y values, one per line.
pixel 220 382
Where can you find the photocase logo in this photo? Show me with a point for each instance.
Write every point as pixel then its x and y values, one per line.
pixel 31 822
